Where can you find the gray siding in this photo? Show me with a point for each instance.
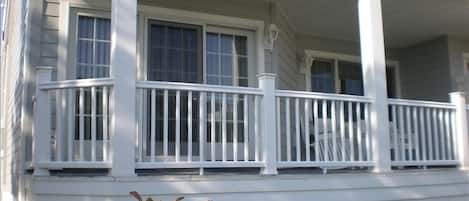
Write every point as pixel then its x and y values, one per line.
pixel 459 76
pixel 11 80
pixel 425 71
pixel 285 59
pixel 50 33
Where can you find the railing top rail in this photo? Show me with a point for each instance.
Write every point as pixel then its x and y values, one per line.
pixel 321 96
pixel 197 87
pixel 64 84
pixel 419 103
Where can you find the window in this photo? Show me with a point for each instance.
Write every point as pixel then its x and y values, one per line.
pixel 344 77
pixel 350 78
pixel 227 59
pixel 93 43
pixel 174 52
pixel 93 47
pixel 322 76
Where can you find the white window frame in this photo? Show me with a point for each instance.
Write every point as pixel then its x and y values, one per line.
pixel 251 58
pixel 68 27
pixel 336 57
pixel 252 29
pixel 68 71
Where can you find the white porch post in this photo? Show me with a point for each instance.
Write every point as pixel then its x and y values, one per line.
pixel 462 138
pixel 42 120
pixel 374 79
pixel 123 70
pixel 268 128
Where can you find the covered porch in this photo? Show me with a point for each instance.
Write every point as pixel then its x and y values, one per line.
pixel 267 85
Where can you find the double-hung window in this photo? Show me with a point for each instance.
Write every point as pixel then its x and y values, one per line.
pixel 93 47
pixel 93 44
pixel 179 52
pixel 344 77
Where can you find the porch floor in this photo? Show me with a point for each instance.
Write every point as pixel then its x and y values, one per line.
pixel 431 184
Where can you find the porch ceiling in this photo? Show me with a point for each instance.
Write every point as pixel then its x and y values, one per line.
pixel 406 22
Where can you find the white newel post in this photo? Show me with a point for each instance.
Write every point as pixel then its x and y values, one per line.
pixel 462 138
pixel 374 79
pixel 42 122
pixel 123 71
pixel 268 128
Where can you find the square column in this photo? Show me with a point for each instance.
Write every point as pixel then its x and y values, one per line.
pixel 123 71
pixel 460 122
pixel 268 117
pixel 374 79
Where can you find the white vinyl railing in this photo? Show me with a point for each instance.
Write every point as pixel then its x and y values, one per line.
pixel 183 125
pixel 76 114
pixel 422 133
pixel 322 130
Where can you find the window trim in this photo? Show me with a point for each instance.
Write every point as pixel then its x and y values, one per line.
pixel 69 70
pixel 336 57
pixel 196 19
pixel 68 23
pixel 146 42
pixel 250 48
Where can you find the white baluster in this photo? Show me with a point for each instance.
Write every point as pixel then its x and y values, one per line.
pixel 325 130
pixel 409 134
pixel 81 123
pixel 235 127
pixel 297 129
pixel 93 123
pixel 223 138
pixel 246 128
pixel 165 124
pixel 342 131
pixel 316 130
pixel 394 133
pixel 178 126
pixel 71 123
pixel 288 128
pixel 189 126
pixel 416 134
pixel 334 131
pixel 307 134
pixel 212 128
pixel 153 126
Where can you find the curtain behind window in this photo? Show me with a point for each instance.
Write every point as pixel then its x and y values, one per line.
pixel 322 76
pixel 174 52
pixel 93 47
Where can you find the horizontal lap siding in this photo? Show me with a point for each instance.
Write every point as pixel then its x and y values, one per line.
pixel 11 83
pixel 286 62
pixel 50 33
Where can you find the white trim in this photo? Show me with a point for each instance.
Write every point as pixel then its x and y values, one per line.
pixel 75 164
pixel 198 87
pixel 208 22
pixel 67 68
pixel 348 58
pixel 432 104
pixel 70 9
pixel 190 17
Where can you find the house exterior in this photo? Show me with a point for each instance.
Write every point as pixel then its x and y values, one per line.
pixel 235 99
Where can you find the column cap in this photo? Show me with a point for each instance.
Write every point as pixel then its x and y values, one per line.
pixel 460 93
pixel 266 76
